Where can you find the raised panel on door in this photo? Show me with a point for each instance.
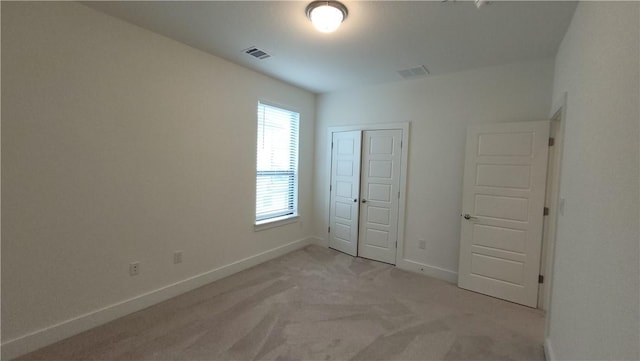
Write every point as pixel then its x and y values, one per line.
pixel 380 184
pixel 345 188
pixel 503 196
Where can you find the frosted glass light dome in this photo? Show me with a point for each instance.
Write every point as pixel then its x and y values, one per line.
pixel 326 16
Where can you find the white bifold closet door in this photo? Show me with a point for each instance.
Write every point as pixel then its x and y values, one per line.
pixel 380 195
pixel 365 192
pixel 345 191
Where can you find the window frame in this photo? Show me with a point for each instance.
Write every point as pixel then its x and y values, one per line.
pixel 277 220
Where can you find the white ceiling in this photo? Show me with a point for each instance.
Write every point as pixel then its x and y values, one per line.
pixel 377 39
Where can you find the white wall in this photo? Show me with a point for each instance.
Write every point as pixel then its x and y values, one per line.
pixel 595 297
pixel 121 145
pixel 439 108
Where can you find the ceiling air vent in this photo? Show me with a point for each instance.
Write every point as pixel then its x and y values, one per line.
pixel 256 53
pixel 413 73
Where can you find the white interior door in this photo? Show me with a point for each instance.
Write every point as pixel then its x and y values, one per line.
pixel 502 206
pixel 345 190
pixel 380 184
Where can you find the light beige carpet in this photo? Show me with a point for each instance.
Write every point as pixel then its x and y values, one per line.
pixel 316 304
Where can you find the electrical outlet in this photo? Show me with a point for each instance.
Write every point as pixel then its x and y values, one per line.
pixel 177 257
pixel 134 268
pixel 422 244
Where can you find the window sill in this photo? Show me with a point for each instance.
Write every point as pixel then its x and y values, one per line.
pixel 275 222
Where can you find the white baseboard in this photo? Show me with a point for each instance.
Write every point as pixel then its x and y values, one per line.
pixel 548 350
pixel 411 266
pixel 431 271
pixel 320 241
pixel 48 335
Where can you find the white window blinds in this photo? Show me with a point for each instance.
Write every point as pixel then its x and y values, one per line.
pixel 277 163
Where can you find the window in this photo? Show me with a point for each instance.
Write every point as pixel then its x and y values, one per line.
pixel 277 164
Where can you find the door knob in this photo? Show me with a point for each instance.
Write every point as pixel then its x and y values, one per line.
pixel 355 200
pixel 468 217
pixel 364 201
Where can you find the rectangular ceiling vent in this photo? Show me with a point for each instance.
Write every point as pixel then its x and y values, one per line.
pixel 257 53
pixel 413 73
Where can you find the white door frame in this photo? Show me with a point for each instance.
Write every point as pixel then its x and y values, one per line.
pixel 553 204
pixel 559 113
pixel 405 127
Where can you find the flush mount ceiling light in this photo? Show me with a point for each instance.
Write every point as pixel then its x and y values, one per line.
pixel 327 16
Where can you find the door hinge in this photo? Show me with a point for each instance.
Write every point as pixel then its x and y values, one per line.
pixel 329 230
pixel 552 142
pixel 545 211
pixel 330 187
pixel 400 144
pixel 331 145
pixel 540 279
pixel 398 194
pixel 396 244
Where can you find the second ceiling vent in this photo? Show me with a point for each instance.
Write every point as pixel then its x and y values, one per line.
pixel 256 53
pixel 412 73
